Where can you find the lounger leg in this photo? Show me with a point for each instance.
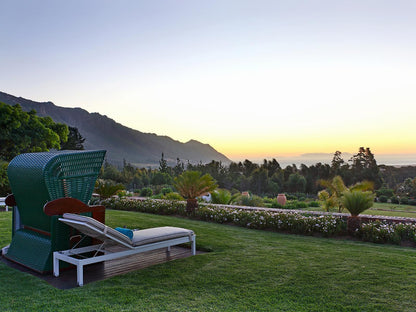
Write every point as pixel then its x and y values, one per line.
pixel 193 246
pixel 55 266
pixel 80 274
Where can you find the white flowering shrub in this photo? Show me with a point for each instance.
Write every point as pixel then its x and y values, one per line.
pixel 383 232
pixel 287 222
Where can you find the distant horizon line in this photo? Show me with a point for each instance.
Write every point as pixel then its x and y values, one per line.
pixel 389 159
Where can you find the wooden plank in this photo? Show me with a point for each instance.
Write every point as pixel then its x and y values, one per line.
pixel 100 271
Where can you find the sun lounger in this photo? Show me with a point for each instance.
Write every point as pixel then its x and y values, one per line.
pixel 142 240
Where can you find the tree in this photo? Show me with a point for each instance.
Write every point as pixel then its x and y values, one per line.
pixel 24 132
pixel 337 163
pixel 107 189
pixel 75 140
pixel 364 167
pixel 4 180
pixel 179 167
pixel 192 184
pixel 296 183
pixel 163 165
pixel 335 188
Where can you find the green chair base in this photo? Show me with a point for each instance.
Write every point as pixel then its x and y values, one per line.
pixel 32 250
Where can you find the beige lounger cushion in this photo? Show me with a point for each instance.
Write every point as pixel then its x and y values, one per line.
pixel 140 237
pixel 158 234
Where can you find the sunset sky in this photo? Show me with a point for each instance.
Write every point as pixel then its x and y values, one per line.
pixel 253 79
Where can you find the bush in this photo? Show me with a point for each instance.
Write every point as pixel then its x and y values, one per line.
pixel 173 196
pixel 274 204
pixel 383 199
pixel 277 221
pixel 252 201
pixel 384 192
pixel 288 222
pixel 404 200
pixel 314 204
pixel 301 205
pixel 166 190
pixel 412 202
pixel 394 200
pixel 357 201
pixel 220 196
pixel 381 232
pixel 146 192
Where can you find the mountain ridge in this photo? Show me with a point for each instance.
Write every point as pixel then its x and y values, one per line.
pixel 122 143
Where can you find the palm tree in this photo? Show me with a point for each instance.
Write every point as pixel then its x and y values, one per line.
pixel 331 196
pixel 335 188
pixel 107 189
pixel 191 184
pixel 356 201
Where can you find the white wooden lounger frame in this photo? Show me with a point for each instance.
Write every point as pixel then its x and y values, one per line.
pixel 101 254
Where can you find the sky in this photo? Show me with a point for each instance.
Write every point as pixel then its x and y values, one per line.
pixel 254 79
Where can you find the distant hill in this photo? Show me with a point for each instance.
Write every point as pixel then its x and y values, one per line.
pixel 122 143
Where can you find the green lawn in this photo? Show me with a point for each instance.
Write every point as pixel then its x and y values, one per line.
pixel 246 270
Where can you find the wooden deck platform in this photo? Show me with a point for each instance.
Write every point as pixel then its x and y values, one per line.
pixel 100 271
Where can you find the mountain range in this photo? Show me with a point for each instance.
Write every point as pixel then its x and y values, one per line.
pixel 122 143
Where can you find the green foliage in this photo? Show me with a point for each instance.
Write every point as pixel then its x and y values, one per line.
pixel 161 178
pixel 75 140
pixel 4 180
pixel 383 199
pixel 394 200
pixel 286 222
pixel 364 167
pixel 314 204
pixel 146 192
pixel 107 188
pixel 296 183
pixel 404 200
pixel 331 197
pixel 166 190
pixel 24 132
pixel 251 201
pixel 221 196
pixel 173 196
pixel 191 184
pixel 392 233
pixel 385 192
pixel 357 201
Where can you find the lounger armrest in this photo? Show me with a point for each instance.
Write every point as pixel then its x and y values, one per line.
pixel 72 205
pixel 10 200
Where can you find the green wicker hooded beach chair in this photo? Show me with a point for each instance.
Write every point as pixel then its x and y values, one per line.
pixel 46 185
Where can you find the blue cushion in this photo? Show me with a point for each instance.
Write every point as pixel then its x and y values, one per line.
pixel 127 232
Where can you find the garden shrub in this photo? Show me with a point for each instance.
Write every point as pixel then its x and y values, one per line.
pixel 146 192
pixel 382 232
pixel 173 196
pixel 287 222
pixel 275 204
pixel 404 200
pixel 301 204
pixel 252 201
pixel 394 200
pixel 412 202
pixel 314 204
pixel 166 190
pixel 291 222
pixel 383 199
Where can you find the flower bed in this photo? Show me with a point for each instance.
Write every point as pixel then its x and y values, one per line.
pixel 383 232
pixel 281 221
